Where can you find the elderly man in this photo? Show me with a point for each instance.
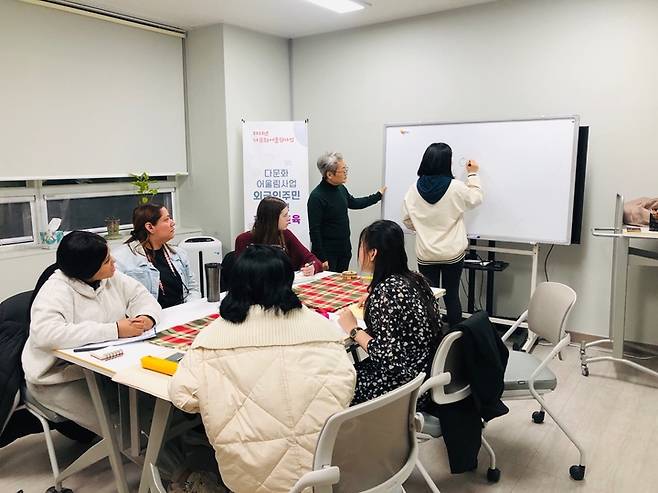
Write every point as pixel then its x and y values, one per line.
pixel 329 225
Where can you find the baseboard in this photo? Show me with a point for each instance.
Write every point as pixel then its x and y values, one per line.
pixel 633 346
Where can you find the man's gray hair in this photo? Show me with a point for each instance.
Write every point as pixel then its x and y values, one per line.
pixel 329 162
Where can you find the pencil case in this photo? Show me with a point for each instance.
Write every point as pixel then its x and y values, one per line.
pixel 159 364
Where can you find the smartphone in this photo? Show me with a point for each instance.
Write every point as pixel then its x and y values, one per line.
pixel 176 357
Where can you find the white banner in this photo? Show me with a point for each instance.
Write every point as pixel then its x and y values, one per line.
pixel 275 163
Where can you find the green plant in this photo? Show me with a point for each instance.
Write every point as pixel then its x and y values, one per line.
pixel 143 183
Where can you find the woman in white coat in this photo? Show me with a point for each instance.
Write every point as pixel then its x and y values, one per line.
pixel 434 207
pixel 265 377
pixel 84 301
pixel 148 257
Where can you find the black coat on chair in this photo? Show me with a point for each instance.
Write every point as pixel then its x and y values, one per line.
pixel 484 361
pixel 14 329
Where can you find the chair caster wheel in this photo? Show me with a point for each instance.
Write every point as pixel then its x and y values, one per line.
pixel 585 371
pixel 493 475
pixel 52 489
pixel 538 417
pixel 577 472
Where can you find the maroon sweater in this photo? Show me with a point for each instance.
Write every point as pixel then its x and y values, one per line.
pixel 298 253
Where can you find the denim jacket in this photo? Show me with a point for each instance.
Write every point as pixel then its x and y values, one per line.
pixel 130 259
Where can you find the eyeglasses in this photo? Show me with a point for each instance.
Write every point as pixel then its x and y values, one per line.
pixel 344 170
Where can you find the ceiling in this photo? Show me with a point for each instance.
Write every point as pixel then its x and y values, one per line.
pixel 285 18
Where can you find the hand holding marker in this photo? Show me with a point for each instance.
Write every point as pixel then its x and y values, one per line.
pixel 308 269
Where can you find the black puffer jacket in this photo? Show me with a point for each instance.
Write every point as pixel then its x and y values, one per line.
pixel 14 328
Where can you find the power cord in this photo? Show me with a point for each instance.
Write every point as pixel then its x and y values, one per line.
pixel 546 262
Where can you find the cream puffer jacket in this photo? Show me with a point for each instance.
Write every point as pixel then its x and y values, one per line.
pixel 264 389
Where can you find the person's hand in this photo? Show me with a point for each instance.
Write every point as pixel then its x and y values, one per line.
pixel 147 321
pixel 382 190
pixel 346 320
pixel 472 166
pixel 129 327
pixel 308 269
pixel 325 265
pixel 362 300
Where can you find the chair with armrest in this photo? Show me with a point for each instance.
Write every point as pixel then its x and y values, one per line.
pixel 370 447
pixel 528 376
pixel 447 385
pixel 51 420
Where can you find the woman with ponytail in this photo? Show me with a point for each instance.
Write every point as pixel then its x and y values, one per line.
pixel 148 257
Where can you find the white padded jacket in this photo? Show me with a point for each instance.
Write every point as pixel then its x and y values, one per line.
pixel 264 389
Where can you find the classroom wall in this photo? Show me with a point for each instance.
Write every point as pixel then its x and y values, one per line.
pixel 204 193
pixel 232 73
pixel 257 73
pixel 504 60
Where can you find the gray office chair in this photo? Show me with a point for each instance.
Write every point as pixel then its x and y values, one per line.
pixel 370 447
pixel 529 377
pixel 448 385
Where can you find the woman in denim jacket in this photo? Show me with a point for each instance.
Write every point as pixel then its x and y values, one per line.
pixel 147 257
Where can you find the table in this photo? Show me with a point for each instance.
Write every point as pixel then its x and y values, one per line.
pixel 623 255
pixel 126 370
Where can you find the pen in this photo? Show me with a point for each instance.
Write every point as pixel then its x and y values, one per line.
pixel 83 349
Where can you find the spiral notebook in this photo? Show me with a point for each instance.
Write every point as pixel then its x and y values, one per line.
pixel 107 353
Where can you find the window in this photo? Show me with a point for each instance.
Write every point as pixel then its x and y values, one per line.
pixel 89 212
pixel 16 221
pixel 27 207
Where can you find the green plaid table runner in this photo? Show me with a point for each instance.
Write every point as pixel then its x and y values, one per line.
pixel 330 293
pixel 181 336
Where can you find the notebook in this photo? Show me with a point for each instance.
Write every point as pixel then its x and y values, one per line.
pixel 107 353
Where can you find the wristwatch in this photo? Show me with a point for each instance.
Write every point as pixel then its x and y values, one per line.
pixel 354 332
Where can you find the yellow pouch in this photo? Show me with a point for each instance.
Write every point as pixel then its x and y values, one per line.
pixel 159 364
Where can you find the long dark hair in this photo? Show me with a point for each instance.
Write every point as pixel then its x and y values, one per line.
pixel 391 259
pixel 143 214
pixel 437 160
pixel 262 275
pixel 266 227
pixel 81 254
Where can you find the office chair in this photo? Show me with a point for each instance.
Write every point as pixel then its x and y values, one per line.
pixel 370 447
pixel 448 385
pixel 527 376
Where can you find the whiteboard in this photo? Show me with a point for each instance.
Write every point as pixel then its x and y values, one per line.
pixel 527 171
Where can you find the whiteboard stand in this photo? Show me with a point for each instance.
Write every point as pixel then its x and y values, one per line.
pixel 622 256
pixel 532 252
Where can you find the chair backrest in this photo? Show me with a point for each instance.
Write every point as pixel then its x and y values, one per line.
pixel 16 308
pixel 45 275
pixel 373 443
pixel 448 359
pixel 549 309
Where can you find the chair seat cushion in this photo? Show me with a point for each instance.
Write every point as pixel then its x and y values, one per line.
pixel 519 368
pixel 431 425
pixel 35 406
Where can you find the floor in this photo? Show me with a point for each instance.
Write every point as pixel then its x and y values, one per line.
pixel 614 412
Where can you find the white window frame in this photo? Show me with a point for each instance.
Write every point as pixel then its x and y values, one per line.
pixel 59 193
pixel 37 195
pixel 18 198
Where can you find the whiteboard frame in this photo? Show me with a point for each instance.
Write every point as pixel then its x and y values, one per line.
pixel 574 155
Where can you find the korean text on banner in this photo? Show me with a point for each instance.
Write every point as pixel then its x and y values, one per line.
pixel 275 163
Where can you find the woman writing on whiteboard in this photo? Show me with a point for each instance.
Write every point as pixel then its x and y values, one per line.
pixel 434 207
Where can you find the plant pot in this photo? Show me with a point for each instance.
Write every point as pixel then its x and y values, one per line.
pixel 113 226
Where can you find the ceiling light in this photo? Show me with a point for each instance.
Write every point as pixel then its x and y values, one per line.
pixel 341 6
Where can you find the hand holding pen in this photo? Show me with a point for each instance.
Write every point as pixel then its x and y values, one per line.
pixel 308 269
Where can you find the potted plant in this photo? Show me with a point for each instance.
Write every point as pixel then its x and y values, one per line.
pixel 145 190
